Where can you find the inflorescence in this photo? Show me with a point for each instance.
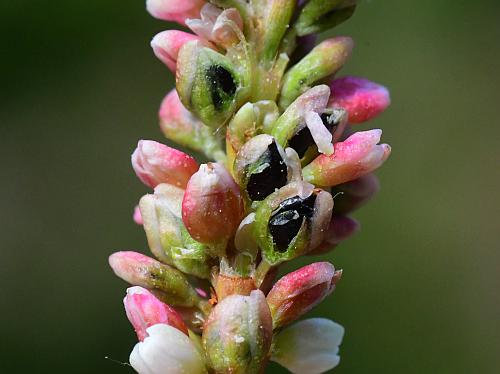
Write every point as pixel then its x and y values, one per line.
pixel 256 97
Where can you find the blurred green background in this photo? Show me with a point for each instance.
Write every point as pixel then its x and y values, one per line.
pixel 80 86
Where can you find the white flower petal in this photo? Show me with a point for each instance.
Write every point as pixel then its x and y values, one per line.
pixel 322 137
pixel 166 351
pixel 309 346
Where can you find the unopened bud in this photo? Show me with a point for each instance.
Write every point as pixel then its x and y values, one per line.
pixel 161 216
pixel 276 16
pixel 324 60
pixel 145 310
pixel 237 335
pixel 363 100
pixel 155 163
pixel 181 126
pixel 140 270
pixel 174 10
pixel 212 207
pixel 298 292
pixel 320 15
pixel 166 46
pixel 358 155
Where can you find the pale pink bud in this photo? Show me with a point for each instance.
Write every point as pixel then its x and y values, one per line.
pixel 138 216
pixel 175 10
pixel 212 207
pixel 340 229
pixel 144 310
pixel 140 270
pixel 155 163
pixel 166 46
pixel 298 292
pixel 363 99
pixel 356 156
pixel 181 126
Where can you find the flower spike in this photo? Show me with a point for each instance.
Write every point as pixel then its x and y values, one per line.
pixel 260 105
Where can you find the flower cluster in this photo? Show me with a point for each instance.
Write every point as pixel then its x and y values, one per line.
pixel 259 101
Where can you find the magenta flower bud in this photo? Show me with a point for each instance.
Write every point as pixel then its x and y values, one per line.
pixel 356 156
pixel 137 216
pixel 166 46
pixel 144 310
pixel 155 163
pixel 298 292
pixel 354 194
pixel 174 10
pixel 340 229
pixel 237 335
pixel 212 207
pixel 363 99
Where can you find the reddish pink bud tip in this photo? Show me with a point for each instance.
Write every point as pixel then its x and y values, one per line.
pixel 356 156
pixel 155 163
pixel 363 99
pixel 212 207
pixel 298 292
pixel 144 310
pixel 166 46
pixel 175 10
pixel 137 216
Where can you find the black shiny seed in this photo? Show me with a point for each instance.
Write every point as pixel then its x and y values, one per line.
pixel 262 184
pixel 286 221
pixel 303 139
pixel 221 83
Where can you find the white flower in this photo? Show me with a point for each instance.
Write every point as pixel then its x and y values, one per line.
pixel 166 351
pixel 309 347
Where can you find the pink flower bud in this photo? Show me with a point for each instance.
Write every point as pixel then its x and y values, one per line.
pixel 166 46
pixel 181 126
pixel 140 270
pixel 298 292
pixel 175 10
pixel 212 207
pixel 144 310
pixel 155 163
pixel 137 216
pixel 356 156
pixel 340 229
pixel 363 99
